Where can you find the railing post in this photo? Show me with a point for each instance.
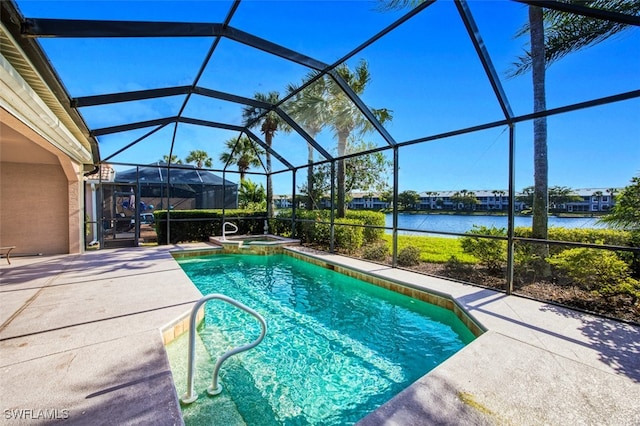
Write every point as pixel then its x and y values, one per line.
pixel 333 211
pixel 215 387
pixel 396 167
pixel 512 209
pixel 293 203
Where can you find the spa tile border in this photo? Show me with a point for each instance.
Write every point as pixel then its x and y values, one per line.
pixel 178 326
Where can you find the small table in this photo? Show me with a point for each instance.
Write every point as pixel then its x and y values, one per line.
pixel 8 252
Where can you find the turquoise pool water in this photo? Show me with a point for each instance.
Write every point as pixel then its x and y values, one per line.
pixel 336 348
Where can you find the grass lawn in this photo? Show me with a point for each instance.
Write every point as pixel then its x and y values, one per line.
pixel 433 249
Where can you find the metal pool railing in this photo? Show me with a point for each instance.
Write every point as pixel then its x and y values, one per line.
pixel 215 387
pixel 224 229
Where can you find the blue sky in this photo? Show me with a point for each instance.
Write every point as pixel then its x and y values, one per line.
pixel 425 71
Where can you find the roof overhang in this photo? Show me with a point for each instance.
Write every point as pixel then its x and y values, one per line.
pixel 34 94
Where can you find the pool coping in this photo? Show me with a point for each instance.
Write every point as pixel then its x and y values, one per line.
pixel 70 321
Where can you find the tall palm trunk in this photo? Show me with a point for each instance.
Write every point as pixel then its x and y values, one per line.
pixel 268 136
pixel 540 162
pixel 342 147
pixel 310 175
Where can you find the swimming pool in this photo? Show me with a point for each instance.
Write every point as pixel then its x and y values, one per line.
pixel 336 348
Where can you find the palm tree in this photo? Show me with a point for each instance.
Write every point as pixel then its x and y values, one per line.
pixel 626 213
pixel 346 118
pixel 539 225
pixel 499 193
pixel 309 108
pixel 250 195
pixel 269 122
pixel 174 159
pixel 242 152
pixel 598 194
pixel 201 158
pixel 612 192
pixel 553 35
pixel 430 195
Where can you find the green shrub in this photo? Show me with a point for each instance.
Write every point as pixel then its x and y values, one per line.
pixel 492 253
pixel 579 235
pixel 310 229
pixel 598 270
pixel 368 218
pixel 377 251
pixel 409 256
pixel 526 257
pixel 304 231
pixel 199 225
pixel 634 258
pixel 455 268
pixel 347 238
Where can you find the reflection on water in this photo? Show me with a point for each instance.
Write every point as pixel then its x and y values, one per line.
pixel 464 223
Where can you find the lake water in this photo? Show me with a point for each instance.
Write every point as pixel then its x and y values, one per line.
pixel 464 223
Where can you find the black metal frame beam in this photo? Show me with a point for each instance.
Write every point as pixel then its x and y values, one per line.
pixel 303 133
pixel 124 148
pixel 37 27
pixel 362 107
pixel 590 12
pixel 258 104
pixel 207 123
pixel 40 27
pixel 236 128
pixel 633 94
pixel 266 147
pixel 273 48
pixel 133 126
pixel 229 97
pixel 485 59
pixel 82 28
pixel 87 101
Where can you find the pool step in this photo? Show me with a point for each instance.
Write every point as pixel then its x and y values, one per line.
pixel 285 366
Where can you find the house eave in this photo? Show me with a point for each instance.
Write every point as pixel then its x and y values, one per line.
pixel 34 93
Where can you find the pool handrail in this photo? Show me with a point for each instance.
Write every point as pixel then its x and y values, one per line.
pixel 215 387
pixel 224 229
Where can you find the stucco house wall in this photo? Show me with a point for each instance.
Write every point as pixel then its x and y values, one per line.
pixel 35 213
pixel 45 149
pixel 40 193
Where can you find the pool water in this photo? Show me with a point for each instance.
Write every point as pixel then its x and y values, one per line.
pixel 336 348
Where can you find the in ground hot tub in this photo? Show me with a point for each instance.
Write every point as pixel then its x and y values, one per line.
pixel 238 242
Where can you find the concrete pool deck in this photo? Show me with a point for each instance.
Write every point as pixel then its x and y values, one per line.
pixel 80 339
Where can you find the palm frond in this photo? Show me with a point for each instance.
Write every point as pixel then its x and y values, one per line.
pixel 388 5
pixel 566 32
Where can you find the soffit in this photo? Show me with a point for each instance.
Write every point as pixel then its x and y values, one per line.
pixel 18 59
pixel 18 148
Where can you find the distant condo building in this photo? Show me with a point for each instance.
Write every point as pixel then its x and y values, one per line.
pixel 582 200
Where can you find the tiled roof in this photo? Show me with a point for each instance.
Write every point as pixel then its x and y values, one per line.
pixel 107 172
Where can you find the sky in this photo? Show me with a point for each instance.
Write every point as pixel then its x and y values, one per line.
pixel 425 71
